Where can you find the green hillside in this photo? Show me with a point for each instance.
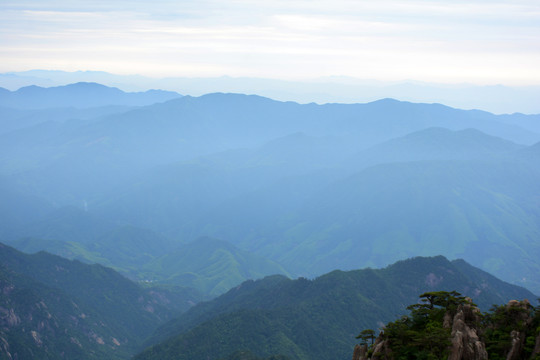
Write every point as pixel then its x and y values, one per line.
pixel 208 265
pixel 307 319
pixel 481 211
pixel 52 305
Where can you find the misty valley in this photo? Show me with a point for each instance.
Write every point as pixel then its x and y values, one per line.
pixel 152 225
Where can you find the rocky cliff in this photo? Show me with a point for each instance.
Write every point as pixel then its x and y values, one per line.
pixel 510 332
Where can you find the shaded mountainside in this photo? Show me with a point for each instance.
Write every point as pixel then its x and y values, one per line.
pixel 308 319
pixel 52 306
pixel 37 321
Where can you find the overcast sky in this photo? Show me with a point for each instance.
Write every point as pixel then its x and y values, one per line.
pixel 480 42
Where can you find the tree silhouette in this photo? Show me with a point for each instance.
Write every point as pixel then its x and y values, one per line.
pixel 366 335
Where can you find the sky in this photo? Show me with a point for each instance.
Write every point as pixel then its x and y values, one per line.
pixel 482 42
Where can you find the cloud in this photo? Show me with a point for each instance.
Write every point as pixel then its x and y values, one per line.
pixel 453 41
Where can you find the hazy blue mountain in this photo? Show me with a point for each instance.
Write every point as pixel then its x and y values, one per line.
pixel 14 119
pixel 266 174
pixel 18 208
pixel 483 212
pixel 289 155
pixel 318 222
pixel 67 223
pixel 530 154
pixel 486 212
pixel 437 144
pixel 529 122
pixel 201 185
pixel 306 319
pixel 209 265
pixel 79 95
pixel 73 161
pixel 340 89
pixel 314 222
pixel 52 306
pixel 295 195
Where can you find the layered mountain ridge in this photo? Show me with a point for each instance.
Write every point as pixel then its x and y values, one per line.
pixel 310 187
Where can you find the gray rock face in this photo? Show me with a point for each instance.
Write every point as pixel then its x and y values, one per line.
pixel 381 350
pixel 517 337
pixel 517 342
pixel 360 352
pixel 466 344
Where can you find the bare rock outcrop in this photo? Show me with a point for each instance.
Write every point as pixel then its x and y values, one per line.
pixel 519 310
pixel 381 349
pixel 465 342
pixel 468 332
pixel 360 352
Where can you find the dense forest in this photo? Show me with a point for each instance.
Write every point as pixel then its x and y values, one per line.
pixel 305 319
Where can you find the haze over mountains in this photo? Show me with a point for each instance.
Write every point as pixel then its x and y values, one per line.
pixel 192 196
pixel 310 187
pixel 341 89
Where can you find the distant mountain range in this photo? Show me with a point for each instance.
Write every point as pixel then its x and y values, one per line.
pixel 34 105
pixel 331 89
pixel 183 199
pixel 310 188
pixel 308 319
